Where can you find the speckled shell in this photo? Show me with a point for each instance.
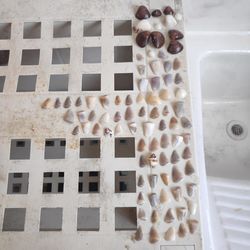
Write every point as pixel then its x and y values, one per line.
pixel 154 113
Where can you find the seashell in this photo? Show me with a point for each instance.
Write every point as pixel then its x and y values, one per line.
pixel 164 141
pixel 153 179
pixel 170 234
pixel 90 101
pixel 185 123
pixel 153 199
pixel 154 113
pixel 163 196
pixel 155 217
pixel 189 169
pixel 181 213
pixel 175 157
pixel 164 95
pixel 67 102
pixel 142 112
pixel 176 64
pixel 143 84
pixel 157 26
pixel 142 39
pixel 175 35
pixel 153 235
pixel 176 140
pixel 186 153
pixel 57 103
pixel 178 79
pixel 141 145
pixel 156 67
pixel 178 16
pixel 178 108
pixel 108 132
pixel 168 79
pixel 105 118
pixel 86 127
pixel 169 217
pixel 81 116
pixel 132 127
pixel 165 111
pixel 168 11
pixel 177 176
pixel 118 129
pixel 156 13
pixel 96 129
pixel 163 159
pixel 157 39
pixel 148 128
pixel 192 206
pixel 165 178
pixel 152 159
pixel 142 214
pixel 152 99
pixel 170 21
pixel 167 66
pixel 104 101
pixel 117 116
pixel 174 47
pixel 151 53
pixel 192 225
pixel 140 199
pixel 46 104
pixel 142 13
pixel 128 100
pixel 78 102
pixel 191 189
pixel 143 161
pixel 155 83
pixel 162 125
pixel 180 93
pixel 118 100
pixel 129 115
pixel 173 124
pixel 139 57
pixel 182 231
pixel 143 25
pixel 161 55
pixel 186 138
pixel 141 69
pixel 75 130
pixel 154 145
pixel 139 234
pixel 69 116
pixel 141 181
pixel 92 116
pixel 177 193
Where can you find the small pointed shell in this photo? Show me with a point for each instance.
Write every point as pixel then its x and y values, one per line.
pixel 141 181
pixel 177 193
pixel 118 129
pixel 168 79
pixel 151 53
pixel 192 225
pixel 153 235
pixel 86 127
pixel 75 130
pixel 78 102
pixel 182 231
pixel 81 116
pixel 186 138
pixel 165 178
pixel 139 57
pixel 176 63
pixel 178 79
pixel 176 140
pixel 178 108
pixel 148 128
pixel 67 102
pixel 90 101
pixel 46 104
pixel 154 201
pixel 185 122
pixel 163 196
pixel 164 95
pixel 139 234
pixel 191 189
pixel 154 145
pixel 129 114
pixel 164 141
pixel 156 67
pixel 153 178
pixel 143 84
pixel 163 160
pixel 192 206
pixel 141 69
pixel 174 157
pixel 167 66
pixel 141 145
pixel 154 113
pixel 92 116
pixel 57 103
pixel 169 217
pixel 173 124
pixel 189 169
pixel 142 214
pixel 118 100
pixel 105 118
pixel 186 153
pixel 170 234
pixel 177 176
pixel 140 199
pixel 155 83
pixel 162 125
pixel 128 100
pixel 69 116
pixel 181 213
pixel 143 25
pixel 104 100
pixel 143 161
pixel 153 99
pixel 161 54
pixel 155 217
pixel 180 93
pixel 132 127
pixel 142 112
pixel 117 116
pixel 165 111
pixel 96 129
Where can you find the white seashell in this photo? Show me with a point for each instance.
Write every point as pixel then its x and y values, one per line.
pixel 178 108
pixel 170 234
pixel 154 145
pixel 170 21
pixel 177 193
pixel 90 101
pixel 174 157
pixel 140 199
pixel 153 179
pixel 142 214
pixel 177 176
pixel 118 129
pixel 67 102
pixel 140 98
pixel 178 16
pixel 129 114
pixel 75 130
pixel 153 235
pixel 191 189
pixel 92 116
pixel 78 102
pixel 86 127
pixel 152 159
pixel 181 213
pixel 47 104
pixel 143 84
pixel 151 54
pixel 143 25
pixel 153 199
pixel 148 128
pixel 141 145
pixel 192 225
pixel 176 140
pixel 180 93
pixel 192 206
pixel 81 116
pixel 69 116
pixel 169 217
pixel 155 217
pixel 139 234
pixel 163 196
pixel 96 129
pixel 158 26
pixel 141 69
pixel 132 127
pixel 104 100
pixel 163 160
pixel 105 118
pixel 156 67
pixel 165 178
pixel 182 231
pixel 189 169
pixel 141 181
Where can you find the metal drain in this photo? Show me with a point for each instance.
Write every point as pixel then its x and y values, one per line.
pixel 236 130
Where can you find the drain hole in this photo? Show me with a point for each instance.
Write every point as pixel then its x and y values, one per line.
pixel 237 129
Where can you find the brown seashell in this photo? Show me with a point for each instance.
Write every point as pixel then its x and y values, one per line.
pixel 191 189
pixel 164 141
pixel 186 138
pixel 155 83
pixel 46 104
pixel 140 98
pixel 129 115
pixel 175 35
pixel 142 39
pixel 96 129
pixel 177 176
pixel 153 235
pixel 152 99
pixel 189 169
pixel 142 112
pixel 163 160
pixel 141 181
pixel 185 123
pixel 140 199
pixel 182 231
pixel 75 130
pixel 154 113
pixel 128 100
pixel 142 13
pixel 177 193
pixel 168 11
pixel 57 103
pixel 69 116
pixel 142 214
pixel 174 157
pixel 104 101
pixel 169 217
pixel 78 102
pixel 170 234
pixel 118 100
pixel 163 196
pixel 67 102
pixel 176 64
pixel 143 161
pixel 164 95
pixel 157 39
pixel 156 13
pixel 192 225
pixel 154 145
pixel 92 116
pixel 139 234
pixel 181 213
pixel 178 79
pixel 117 116
pixel 174 47
pixel 186 153
pixel 155 217
pixel 162 125
pixel 165 178
pixel 141 145
pixel 173 124
pixel 165 111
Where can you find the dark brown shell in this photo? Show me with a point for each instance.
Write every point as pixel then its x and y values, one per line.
pixel 168 11
pixel 142 38
pixel 175 35
pixel 175 47
pixel 157 39
pixel 156 13
pixel 142 13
